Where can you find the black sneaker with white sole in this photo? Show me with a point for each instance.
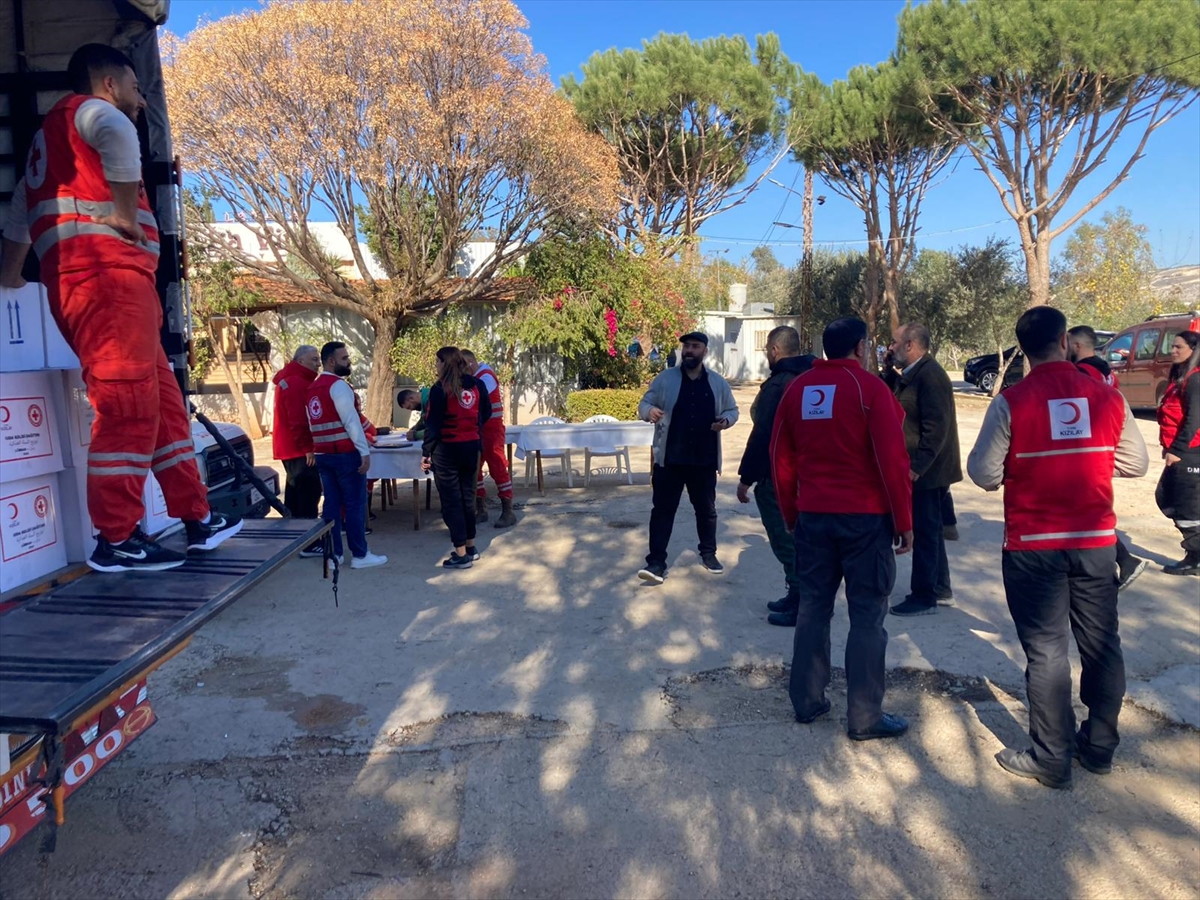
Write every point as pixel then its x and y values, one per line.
pixel 211 534
pixel 313 551
pixel 655 573
pixel 137 553
pixel 711 563
pixel 457 562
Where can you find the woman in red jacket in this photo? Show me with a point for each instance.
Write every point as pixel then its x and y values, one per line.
pixel 1178 492
pixel 458 407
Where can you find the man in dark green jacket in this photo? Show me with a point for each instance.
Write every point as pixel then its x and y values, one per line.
pixel 931 435
pixel 783 354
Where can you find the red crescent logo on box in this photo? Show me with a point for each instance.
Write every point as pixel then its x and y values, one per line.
pixel 314 408
pixel 35 415
pixel 41 506
pixel 5 415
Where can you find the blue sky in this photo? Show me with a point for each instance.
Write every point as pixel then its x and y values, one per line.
pixel 828 37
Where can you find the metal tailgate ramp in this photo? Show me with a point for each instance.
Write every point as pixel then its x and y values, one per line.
pixel 65 651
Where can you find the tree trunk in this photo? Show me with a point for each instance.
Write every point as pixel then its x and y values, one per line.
pixel 234 382
pixel 1037 265
pixel 807 338
pixel 382 379
pixel 891 295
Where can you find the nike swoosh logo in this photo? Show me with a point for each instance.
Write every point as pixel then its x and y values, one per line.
pixel 141 554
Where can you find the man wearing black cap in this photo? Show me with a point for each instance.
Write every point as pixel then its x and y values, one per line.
pixel 689 406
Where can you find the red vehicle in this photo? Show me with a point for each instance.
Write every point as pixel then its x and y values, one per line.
pixel 1140 356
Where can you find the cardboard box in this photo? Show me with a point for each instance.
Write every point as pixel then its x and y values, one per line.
pixel 59 354
pixel 79 537
pixel 31 537
pixel 30 434
pixel 22 344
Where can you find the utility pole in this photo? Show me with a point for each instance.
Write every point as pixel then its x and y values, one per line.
pixel 806 259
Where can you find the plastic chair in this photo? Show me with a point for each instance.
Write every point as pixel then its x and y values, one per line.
pixel 532 460
pixel 617 452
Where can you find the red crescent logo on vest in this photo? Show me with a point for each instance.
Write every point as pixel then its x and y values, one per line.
pixel 1074 413
pixel 314 408
pixel 820 395
pixel 35 166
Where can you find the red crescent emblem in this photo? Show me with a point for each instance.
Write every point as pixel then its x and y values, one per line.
pixel 1075 408
pixel 817 392
pixel 5 415
pixel 14 509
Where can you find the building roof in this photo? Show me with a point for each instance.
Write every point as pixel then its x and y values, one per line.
pixel 498 291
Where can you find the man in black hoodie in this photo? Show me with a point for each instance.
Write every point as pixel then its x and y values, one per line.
pixel 1081 349
pixel 783 354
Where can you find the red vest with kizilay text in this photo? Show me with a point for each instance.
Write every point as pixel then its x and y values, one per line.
pixel 65 189
pixel 1058 475
pixel 462 416
pixel 328 431
pixel 496 396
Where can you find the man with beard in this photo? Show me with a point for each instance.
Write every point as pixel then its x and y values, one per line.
pixel 343 453
pixel 783 355
pixel 1081 350
pixel 689 406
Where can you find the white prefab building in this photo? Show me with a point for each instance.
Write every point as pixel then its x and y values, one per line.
pixel 737 342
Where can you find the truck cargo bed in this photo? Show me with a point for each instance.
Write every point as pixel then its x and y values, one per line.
pixel 66 650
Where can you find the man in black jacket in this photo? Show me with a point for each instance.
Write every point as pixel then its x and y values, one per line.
pixel 783 354
pixel 931 434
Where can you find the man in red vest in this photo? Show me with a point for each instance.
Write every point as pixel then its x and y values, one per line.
pixel 493 446
pixel 343 453
pixel 90 223
pixel 292 442
pixel 1054 440
pixel 841 476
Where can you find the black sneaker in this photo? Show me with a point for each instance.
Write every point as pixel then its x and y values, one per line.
pixel 1129 572
pixel 313 550
pixel 473 553
pixel 457 562
pixel 211 534
pixel 911 607
pixel 711 563
pixel 790 603
pixel 950 532
pixel 655 573
pixel 137 553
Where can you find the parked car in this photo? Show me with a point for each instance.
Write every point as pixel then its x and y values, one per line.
pixel 982 371
pixel 228 490
pixel 1140 356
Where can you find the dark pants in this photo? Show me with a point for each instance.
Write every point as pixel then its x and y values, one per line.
pixel 930 568
pixel 302 490
pixel 668 483
pixel 831 547
pixel 1051 595
pixel 345 489
pixel 949 517
pixel 455 466
pixel 782 544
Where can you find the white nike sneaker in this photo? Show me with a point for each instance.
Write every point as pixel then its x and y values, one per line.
pixel 369 561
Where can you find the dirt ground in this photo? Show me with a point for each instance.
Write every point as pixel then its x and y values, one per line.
pixel 544 725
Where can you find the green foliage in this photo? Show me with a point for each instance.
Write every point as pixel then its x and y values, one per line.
pixel 970 299
pixel 622 404
pixel 593 303
pixel 1105 273
pixel 764 260
pixel 413 354
pixel 688 120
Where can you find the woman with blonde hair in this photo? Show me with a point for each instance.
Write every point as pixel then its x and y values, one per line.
pixel 1178 492
pixel 458 407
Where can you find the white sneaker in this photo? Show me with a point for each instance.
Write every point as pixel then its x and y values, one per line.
pixel 368 561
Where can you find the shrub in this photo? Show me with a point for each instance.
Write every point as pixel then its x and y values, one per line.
pixel 622 404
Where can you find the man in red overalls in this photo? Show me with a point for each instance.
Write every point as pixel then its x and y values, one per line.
pixel 90 223
pixel 493 446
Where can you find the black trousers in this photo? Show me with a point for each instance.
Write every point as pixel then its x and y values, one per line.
pixel 930 568
pixel 949 517
pixel 1053 594
pixel 454 467
pixel 668 483
pixel 830 548
pixel 302 490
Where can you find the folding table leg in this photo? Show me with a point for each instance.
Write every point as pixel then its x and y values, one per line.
pixel 541 479
pixel 416 505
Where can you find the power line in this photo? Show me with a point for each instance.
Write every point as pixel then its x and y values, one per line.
pixel 731 240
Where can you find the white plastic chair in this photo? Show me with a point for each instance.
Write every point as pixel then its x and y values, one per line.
pixel 535 457
pixel 617 452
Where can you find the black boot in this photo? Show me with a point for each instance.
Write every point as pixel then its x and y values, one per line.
pixel 507 517
pixel 1190 564
pixel 789 603
pixel 481 513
